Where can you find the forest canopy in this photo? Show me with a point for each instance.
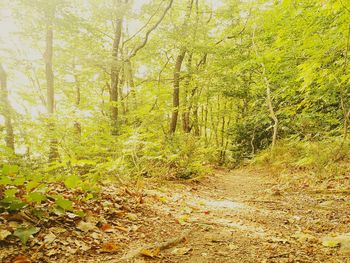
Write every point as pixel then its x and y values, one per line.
pixel 136 86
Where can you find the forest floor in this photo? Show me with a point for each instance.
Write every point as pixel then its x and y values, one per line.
pixel 237 216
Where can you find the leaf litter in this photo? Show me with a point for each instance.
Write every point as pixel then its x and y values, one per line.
pixel 123 223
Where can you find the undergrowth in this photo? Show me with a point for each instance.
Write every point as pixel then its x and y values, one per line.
pixel 318 161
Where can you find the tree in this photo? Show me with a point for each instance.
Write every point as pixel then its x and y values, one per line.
pixel 177 70
pixel 48 55
pixel 6 110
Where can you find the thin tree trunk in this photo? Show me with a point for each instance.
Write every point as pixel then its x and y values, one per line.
pixel 176 91
pixel 122 97
pixel 6 110
pixel 77 124
pixel 196 121
pixel 272 112
pixel 115 70
pixel 130 79
pixel 268 98
pixel 206 120
pixel 187 99
pixel 177 69
pixel 50 104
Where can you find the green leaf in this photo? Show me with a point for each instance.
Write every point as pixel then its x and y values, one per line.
pixel 38 213
pixel 80 213
pixel 9 169
pixel 88 197
pixel 12 203
pixel 24 233
pixel 36 197
pixel 64 203
pixel 19 181
pixel 72 181
pixel 10 192
pixel 4 180
pixel 31 185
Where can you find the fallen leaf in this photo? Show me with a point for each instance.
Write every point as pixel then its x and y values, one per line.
pixel 25 233
pixel 86 226
pixel 344 240
pixel 49 238
pixel 132 217
pixel 181 251
pixel 124 229
pixel 183 219
pixel 150 252
pixel 304 237
pixel 71 215
pixel 53 252
pixel 20 259
pixel 4 234
pixel 71 250
pixel 329 242
pixel 162 199
pixel 106 228
pixel 57 230
pixel 82 245
pixel 232 246
pixel 109 247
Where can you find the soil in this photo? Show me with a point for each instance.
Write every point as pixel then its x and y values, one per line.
pixel 230 216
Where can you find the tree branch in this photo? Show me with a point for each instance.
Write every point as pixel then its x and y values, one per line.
pixel 148 21
pixel 137 49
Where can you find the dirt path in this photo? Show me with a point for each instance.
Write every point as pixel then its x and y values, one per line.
pixel 244 216
pixel 238 216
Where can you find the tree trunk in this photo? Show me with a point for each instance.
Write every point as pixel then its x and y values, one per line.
pixel 50 104
pixel 272 114
pixel 115 70
pixel 187 98
pixel 130 79
pixel 196 121
pixel 268 99
pixel 176 91
pixel 77 124
pixel 177 69
pixel 6 110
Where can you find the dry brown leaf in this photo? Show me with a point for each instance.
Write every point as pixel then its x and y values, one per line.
pixel 20 259
pixel 181 251
pixel 4 234
pixel 106 228
pixel 86 226
pixel 150 252
pixel 49 238
pixel 109 247
pixel 124 229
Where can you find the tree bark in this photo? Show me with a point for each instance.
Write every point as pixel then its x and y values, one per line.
pixel 77 124
pixel 187 99
pixel 176 91
pixel 6 110
pixel 130 79
pixel 268 98
pixel 50 104
pixel 177 69
pixel 115 70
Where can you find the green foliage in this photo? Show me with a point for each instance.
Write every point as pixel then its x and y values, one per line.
pixel 63 203
pixel 234 55
pixel 24 233
pixel 322 156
